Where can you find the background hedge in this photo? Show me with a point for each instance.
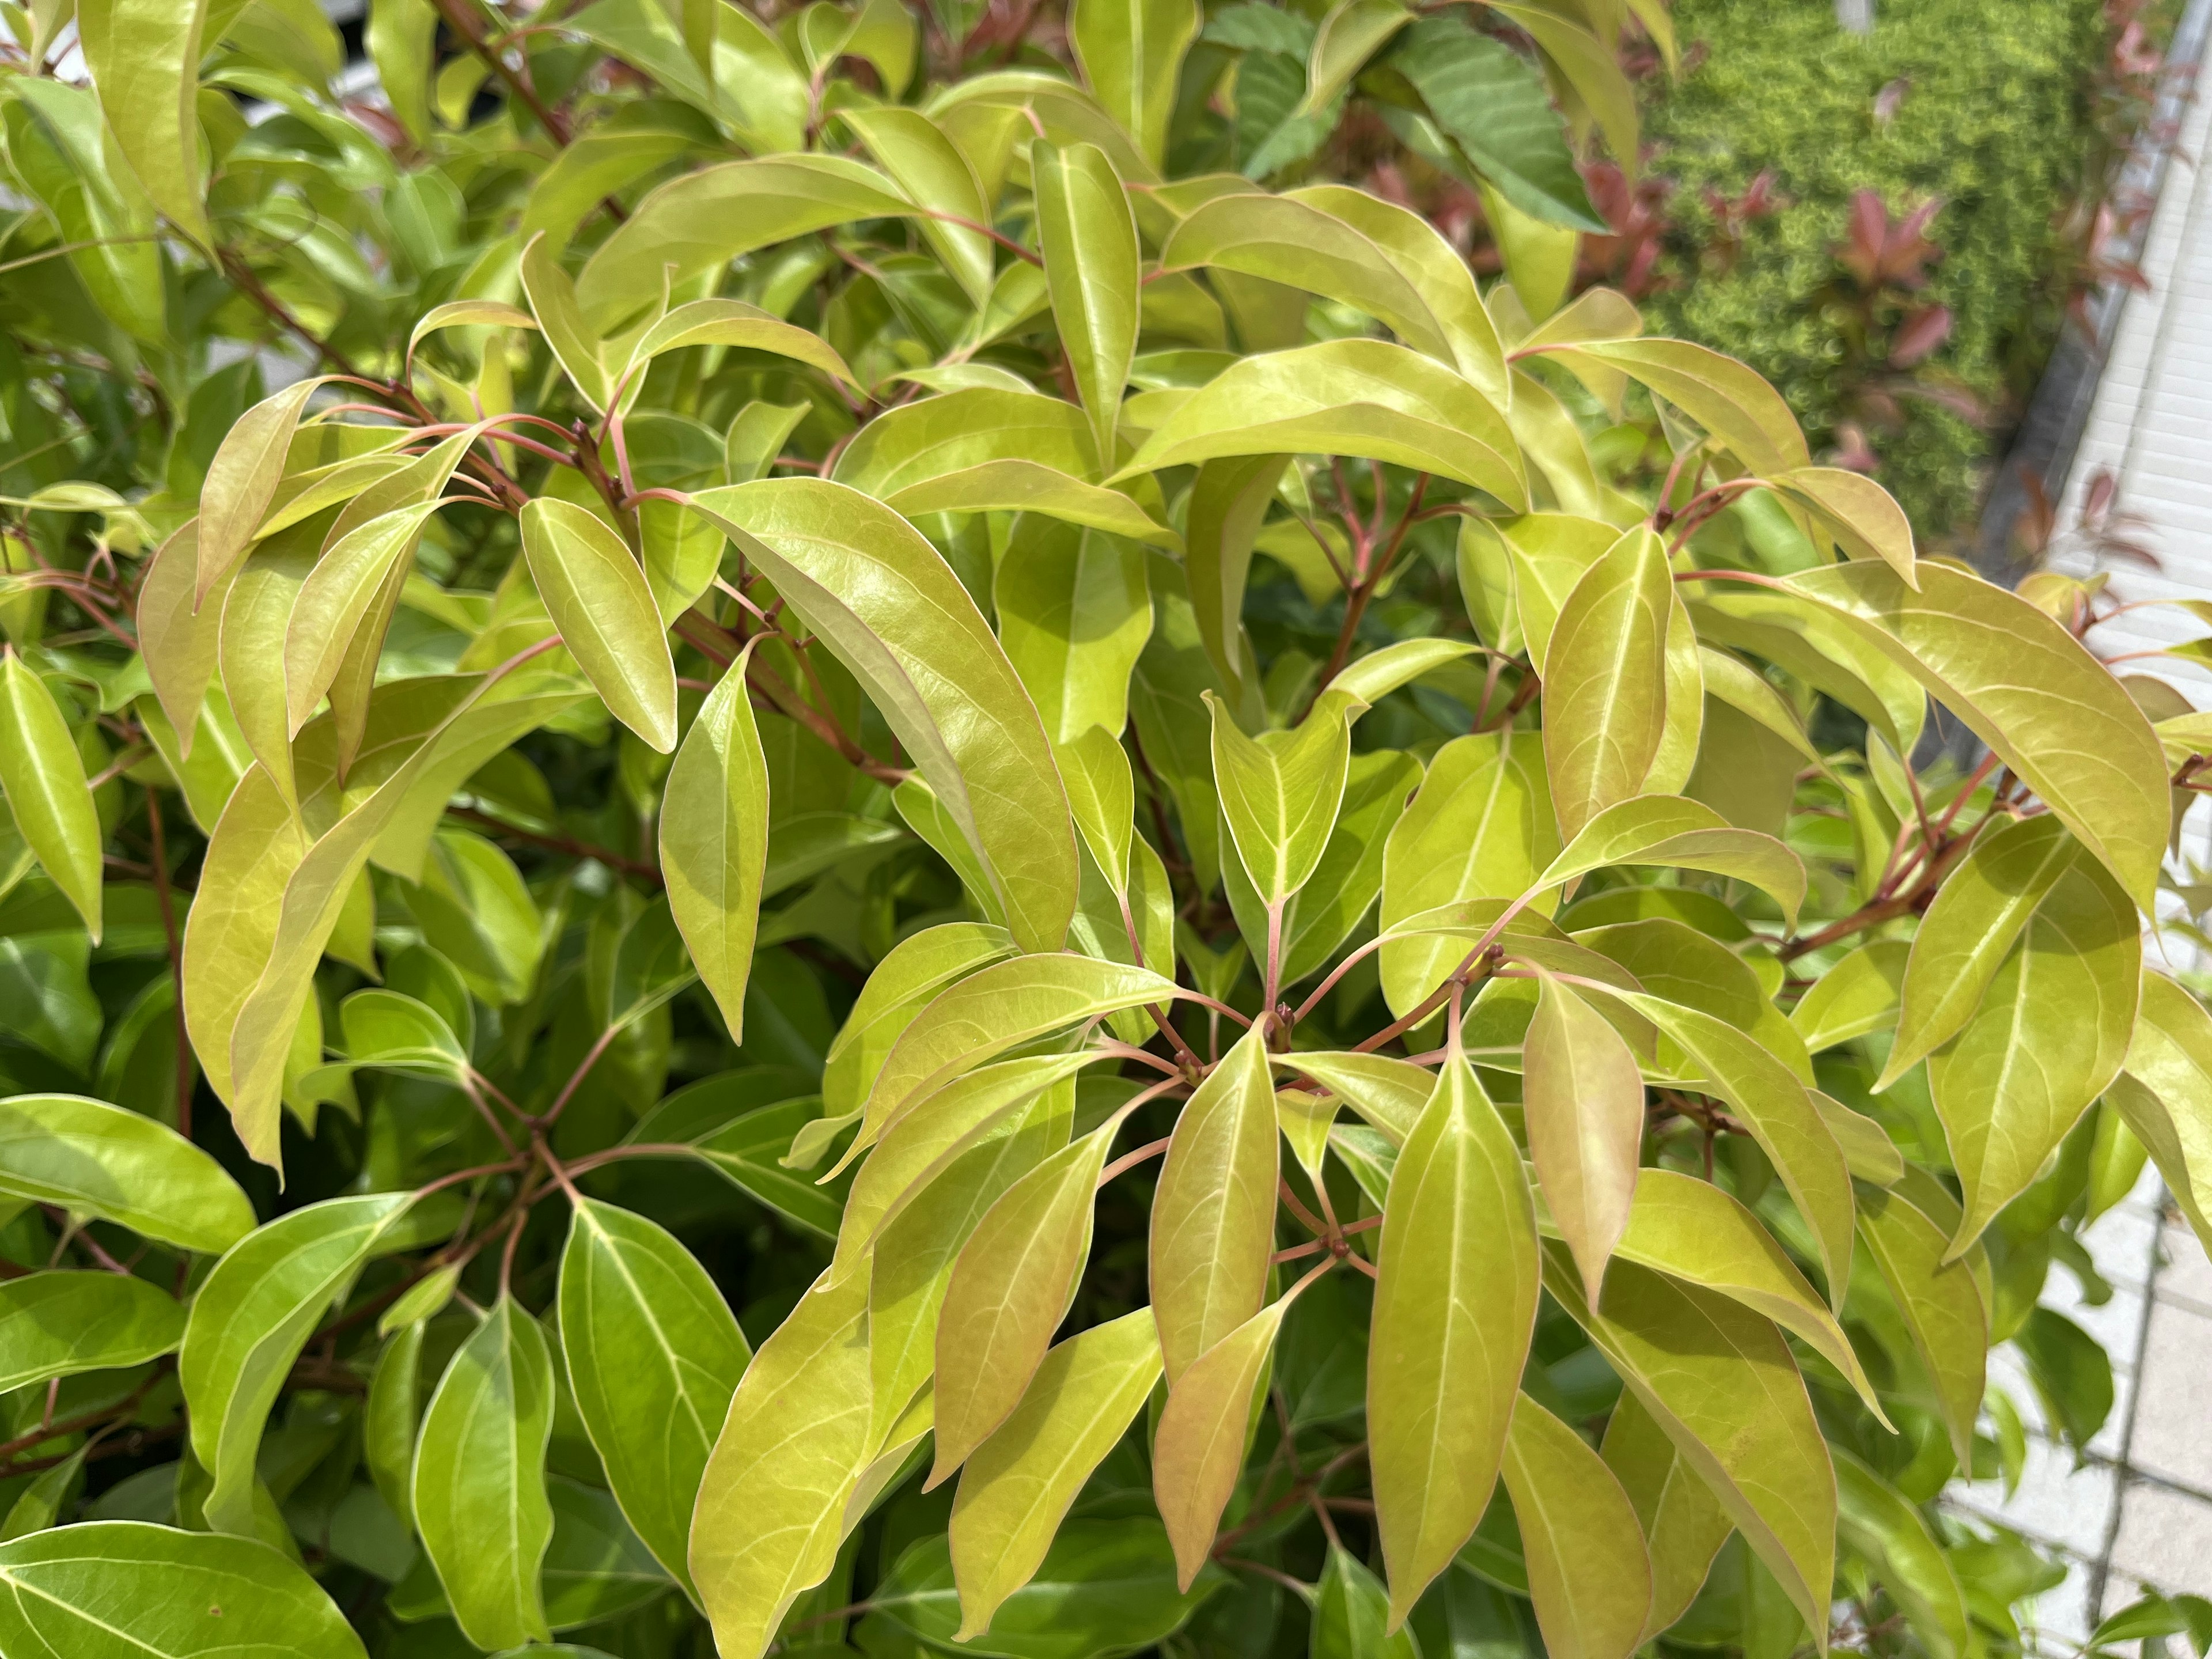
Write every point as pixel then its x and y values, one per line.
pixel 1996 119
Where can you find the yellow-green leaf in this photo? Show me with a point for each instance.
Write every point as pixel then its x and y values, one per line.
pixel 1019 1483
pixel 1684 1525
pixel 595 591
pixel 713 842
pixel 42 779
pixel 2167 1099
pixel 1605 694
pixel 1280 791
pixel 771 1506
pixel 1131 52
pixel 2051 1032
pixel 1684 835
pixel 1588 1573
pixel 144 55
pixel 1091 269
pixel 891 609
pixel 1455 1307
pixel 1941 1306
pixel 1213 1212
pixel 242 481
pixel 1583 1100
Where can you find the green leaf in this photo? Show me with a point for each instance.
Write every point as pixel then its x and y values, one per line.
pixel 595 592
pixel 1019 1484
pixel 1941 1308
pixel 713 842
pixel 1090 267
pixel 2051 1033
pixel 144 55
pixel 1482 827
pixel 479 1493
pixel 916 152
pixel 772 1503
pixel 1583 1101
pixel 959 435
pixel 903 983
pixel 892 611
pixel 1074 612
pixel 1130 52
pixel 1352 1615
pixel 1322 914
pixel 1719 1380
pixel 251 1316
pixel 1350 33
pixel 1684 835
pixel 1390 1094
pixel 1000 1008
pixel 178 643
pixel 1198 1451
pixel 1855 511
pixel 1491 102
pixel 1009 1291
pixel 1455 1306
pixel 1228 500
pixel 1683 1523
pixel 922 1237
pixel 2166 1095
pixel 748 1153
pixel 1213 1212
pixel 1280 791
pixel 1778 1110
pixel 338 597
pixel 390 1417
pixel 2071 1374
pixel 1693 1231
pixel 1876 1522
pixel 2029 691
pixel 1861 994
pixel 106 1161
pixel 700 221
pixel 242 482
pixel 745 327
pixel 1605 691
pixel 124 1589
pixel 57 1324
pixel 1980 911
pixel 1106 1587
pixel 653 1355
pixel 1731 401
pixel 1588 1572
pixel 1365 397
pixel 46 790
pixel 1101 793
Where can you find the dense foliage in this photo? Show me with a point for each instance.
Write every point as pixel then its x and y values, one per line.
pixel 2004 137
pixel 854 694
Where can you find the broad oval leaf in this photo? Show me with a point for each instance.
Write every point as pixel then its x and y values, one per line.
pixel 2168 1099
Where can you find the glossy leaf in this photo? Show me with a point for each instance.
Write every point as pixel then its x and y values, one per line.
pixel 1089 243
pixel 1942 1308
pixel 1583 1100
pixel 1684 1524
pixel 2166 1095
pixel 1604 705
pixel 1280 793
pixel 714 842
pixel 1588 1572
pixel 44 781
pixel 1454 1305
pixel 103 1160
pixel 59 1323
pixel 595 592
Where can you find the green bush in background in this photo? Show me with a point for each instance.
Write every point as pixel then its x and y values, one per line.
pixel 1995 119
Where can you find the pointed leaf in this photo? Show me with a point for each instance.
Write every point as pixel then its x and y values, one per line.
pixel 1588 1572
pixel 1942 1308
pixel 1859 994
pixel 1213 1212
pixel 891 609
pixel 595 592
pixel 1684 1524
pixel 480 1499
pixel 1091 260
pixel 1074 612
pixel 1684 835
pixel 1019 1484
pixel 1280 791
pixel 242 482
pixel 1583 1100
pixel 2051 1033
pixel 1130 52
pixel 1605 698
pixel 144 55
pixel 1879 1523
pixel 44 781
pixel 57 1324
pixel 713 842
pixel 2165 1096
pixel 107 1161
pixel 1455 1306
pixel 772 1504
pixel 653 1355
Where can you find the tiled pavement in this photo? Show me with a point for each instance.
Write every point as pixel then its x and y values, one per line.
pixel 2137 1513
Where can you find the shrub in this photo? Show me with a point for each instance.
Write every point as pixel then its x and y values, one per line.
pixel 2001 135
pixel 748 830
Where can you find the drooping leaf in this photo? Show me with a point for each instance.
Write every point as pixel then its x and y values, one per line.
pixel 1941 1308
pixel 480 1499
pixel 771 1505
pixel 1454 1305
pixel 44 781
pixel 1684 1524
pixel 1588 1571
pixel 251 1317
pixel 1583 1101
pixel 1213 1212
pixel 714 842
pixel 1019 1484
pixel 891 609
pixel 595 591
pixel 1668 831
pixel 107 1161
pixel 2166 1094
